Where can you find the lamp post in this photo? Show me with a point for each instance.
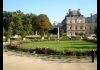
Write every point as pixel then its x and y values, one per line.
pixel 58 24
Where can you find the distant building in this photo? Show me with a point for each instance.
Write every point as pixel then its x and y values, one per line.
pixel 55 24
pixel 74 21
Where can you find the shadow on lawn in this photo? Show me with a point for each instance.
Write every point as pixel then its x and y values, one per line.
pixel 82 47
pixel 82 44
pixel 33 37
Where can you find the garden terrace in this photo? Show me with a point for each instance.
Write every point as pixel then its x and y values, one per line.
pixel 70 47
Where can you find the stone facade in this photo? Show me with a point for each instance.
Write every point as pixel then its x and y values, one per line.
pixel 75 22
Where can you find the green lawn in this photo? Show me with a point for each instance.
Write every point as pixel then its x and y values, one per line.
pixel 72 45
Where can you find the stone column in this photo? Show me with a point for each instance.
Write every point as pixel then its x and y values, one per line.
pixel 8 40
pixel 36 33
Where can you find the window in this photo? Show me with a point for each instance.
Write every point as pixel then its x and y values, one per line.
pixel 80 21
pixel 80 27
pixel 85 27
pixel 70 27
pixel 75 27
pixel 90 27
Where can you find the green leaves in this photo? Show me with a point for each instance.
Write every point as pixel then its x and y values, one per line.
pixel 18 21
pixel 7 34
pixel 41 23
pixel 23 34
pixel 61 32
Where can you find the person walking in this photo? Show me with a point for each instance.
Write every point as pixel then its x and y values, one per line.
pixel 92 55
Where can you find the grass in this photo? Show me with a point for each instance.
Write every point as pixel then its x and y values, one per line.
pixel 11 39
pixel 71 45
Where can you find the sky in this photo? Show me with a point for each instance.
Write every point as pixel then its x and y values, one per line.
pixel 56 10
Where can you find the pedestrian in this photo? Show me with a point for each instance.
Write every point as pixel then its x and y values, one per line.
pixel 96 52
pixel 92 55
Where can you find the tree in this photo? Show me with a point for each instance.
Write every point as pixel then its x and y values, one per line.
pixel 18 27
pixel 7 18
pixel 76 33
pixel 13 20
pixel 61 31
pixel 42 33
pixel 48 35
pixel 81 34
pixel 7 35
pixel 10 30
pixel 18 21
pixel 23 35
pixel 28 28
pixel 41 23
pixel 95 31
pixel 50 27
pixel 3 30
pixel 53 31
pixel 34 23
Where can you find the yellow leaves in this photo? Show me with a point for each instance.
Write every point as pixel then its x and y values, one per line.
pixel 43 21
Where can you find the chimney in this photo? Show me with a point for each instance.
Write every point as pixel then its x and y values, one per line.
pixel 69 10
pixel 78 10
pixel 91 15
pixel 67 13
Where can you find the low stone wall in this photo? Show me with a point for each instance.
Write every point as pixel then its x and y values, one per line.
pixel 5 43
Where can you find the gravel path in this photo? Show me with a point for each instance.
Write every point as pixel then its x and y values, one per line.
pixel 13 61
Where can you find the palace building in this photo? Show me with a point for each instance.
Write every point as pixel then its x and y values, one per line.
pixel 74 21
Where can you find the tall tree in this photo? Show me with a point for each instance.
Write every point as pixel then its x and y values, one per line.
pixel 7 18
pixel 61 31
pixel 3 30
pixel 43 22
pixel 23 35
pixel 28 28
pixel 34 23
pixel 18 27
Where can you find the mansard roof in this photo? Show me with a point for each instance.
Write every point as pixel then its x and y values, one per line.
pixel 74 13
pixel 95 15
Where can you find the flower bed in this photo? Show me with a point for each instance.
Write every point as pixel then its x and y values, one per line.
pixel 50 51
